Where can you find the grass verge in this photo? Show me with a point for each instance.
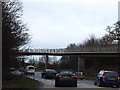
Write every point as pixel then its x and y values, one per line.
pixel 19 81
pixel 89 78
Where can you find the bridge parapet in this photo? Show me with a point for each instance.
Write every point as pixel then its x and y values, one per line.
pixel 113 48
pixel 43 50
pixel 110 48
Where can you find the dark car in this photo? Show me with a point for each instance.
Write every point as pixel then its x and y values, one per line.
pixel 65 78
pixel 12 69
pixel 22 69
pixel 49 73
pixel 107 78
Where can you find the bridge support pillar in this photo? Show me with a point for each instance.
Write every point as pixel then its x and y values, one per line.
pixel 81 64
pixel 46 61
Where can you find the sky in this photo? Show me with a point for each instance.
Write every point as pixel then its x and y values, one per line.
pixel 55 24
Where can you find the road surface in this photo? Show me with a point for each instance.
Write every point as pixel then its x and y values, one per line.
pixel 50 83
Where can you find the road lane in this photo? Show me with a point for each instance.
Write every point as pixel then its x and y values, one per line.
pixel 47 83
pixel 86 84
pixel 50 83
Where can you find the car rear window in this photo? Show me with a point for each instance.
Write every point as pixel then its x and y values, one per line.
pixel 52 71
pixel 30 67
pixel 111 74
pixel 66 72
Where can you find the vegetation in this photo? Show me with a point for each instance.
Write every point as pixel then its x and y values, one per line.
pixel 14 34
pixel 19 82
pixel 108 43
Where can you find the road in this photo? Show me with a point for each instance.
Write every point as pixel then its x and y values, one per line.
pixel 50 83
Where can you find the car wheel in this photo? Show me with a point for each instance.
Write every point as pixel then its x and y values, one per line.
pixel 26 73
pixel 45 77
pixel 117 86
pixel 100 84
pixel 95 83
pixel 81 78
pixel 42 76
pixel 75 85
pixel 56 84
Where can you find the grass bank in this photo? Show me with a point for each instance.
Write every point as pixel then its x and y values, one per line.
pixel 18 81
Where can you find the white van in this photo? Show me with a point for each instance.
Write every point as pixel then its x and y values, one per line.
pixel 30 70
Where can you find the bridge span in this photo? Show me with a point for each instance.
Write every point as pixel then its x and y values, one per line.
pixel 113 54
pixel 62 52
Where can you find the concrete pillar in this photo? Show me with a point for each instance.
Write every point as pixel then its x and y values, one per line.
pixel 81 64
pixel 46 61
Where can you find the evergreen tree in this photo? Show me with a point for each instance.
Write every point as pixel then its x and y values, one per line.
pixel 14 33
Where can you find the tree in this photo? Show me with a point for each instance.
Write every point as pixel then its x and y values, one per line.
pixel 106 40
pixel 91 42
pixel 14 33
pixel 114 33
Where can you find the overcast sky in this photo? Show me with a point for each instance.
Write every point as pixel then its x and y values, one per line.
pixel 57 23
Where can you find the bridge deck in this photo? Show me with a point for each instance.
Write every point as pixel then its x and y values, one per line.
pixel 73 53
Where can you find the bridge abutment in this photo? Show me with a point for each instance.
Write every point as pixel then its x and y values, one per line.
pixel 81 64
pixel 46 61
